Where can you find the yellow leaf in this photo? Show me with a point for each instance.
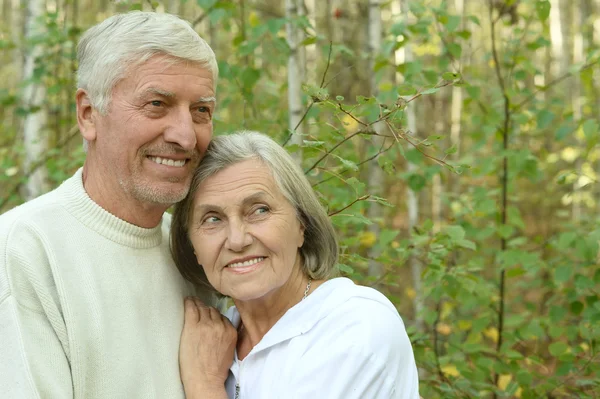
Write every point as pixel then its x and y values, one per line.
pixel 491 333
pixel 518 392
pixel 253 19
pixel 367 239
pixel 584 346
pixel 447 308
pixel 395 244
pixel 464 325
pixel 410 293
pixel 349 123
pixel 504 380
pixel 443 329
pixel 450 370
pixel 10 172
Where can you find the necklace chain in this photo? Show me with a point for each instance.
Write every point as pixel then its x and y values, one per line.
pixel 307 288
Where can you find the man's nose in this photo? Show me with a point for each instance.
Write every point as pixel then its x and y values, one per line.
pixel 182 130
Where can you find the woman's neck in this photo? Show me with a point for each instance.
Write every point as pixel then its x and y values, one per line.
pixel 260 315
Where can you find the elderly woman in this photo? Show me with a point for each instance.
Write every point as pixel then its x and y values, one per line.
pixel 252 229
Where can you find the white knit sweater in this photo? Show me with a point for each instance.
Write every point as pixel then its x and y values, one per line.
pixel 90 305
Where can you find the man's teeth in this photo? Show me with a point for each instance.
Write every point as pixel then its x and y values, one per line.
pixel 168 162
pixel 246 263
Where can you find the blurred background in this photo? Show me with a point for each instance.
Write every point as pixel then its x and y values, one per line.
pixel 454 144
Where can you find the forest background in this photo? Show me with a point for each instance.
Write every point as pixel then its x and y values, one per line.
pixel 454 144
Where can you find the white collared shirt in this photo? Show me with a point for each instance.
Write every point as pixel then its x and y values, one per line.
pixel 342 341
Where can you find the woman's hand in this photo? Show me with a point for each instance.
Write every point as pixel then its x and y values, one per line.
pixel 206 350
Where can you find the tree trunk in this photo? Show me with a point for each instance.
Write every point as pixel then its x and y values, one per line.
pixel 34 97
pixel 293 10
pixel 376 177
pixel 412 198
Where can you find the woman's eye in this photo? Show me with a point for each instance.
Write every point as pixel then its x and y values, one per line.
pixel 211 219
pixel 261 210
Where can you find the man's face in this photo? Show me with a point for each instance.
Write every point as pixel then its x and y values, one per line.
pixel 158 125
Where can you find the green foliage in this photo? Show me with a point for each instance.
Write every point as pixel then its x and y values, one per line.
pixel 536 337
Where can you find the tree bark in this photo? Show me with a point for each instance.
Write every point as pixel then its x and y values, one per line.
pixel 296 70
pixel 34 97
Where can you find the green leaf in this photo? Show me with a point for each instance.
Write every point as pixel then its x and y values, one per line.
pixel 347 163
pixel 453 23
pixel 406 89
pixel 451 150
pixel 563 273
pixel 450 76
pixel 356 184
pixel 467 244
pixel 576 307
pixel 455 49
pixel 430 90
pixel 543 9
pixel 544 119
pixel 309 40
pixel 590 128
pixel 345 268
pixel 343 219
pixel 474 91
pixel 455 233
pixel 416 182
pixel 562 132
pixel 557 348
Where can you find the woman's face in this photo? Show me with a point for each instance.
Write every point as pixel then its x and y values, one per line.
pixel 245 233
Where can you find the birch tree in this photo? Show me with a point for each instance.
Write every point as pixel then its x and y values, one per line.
pixel 412 198
pixel 376 176
pixel 294 9
pixel 34 136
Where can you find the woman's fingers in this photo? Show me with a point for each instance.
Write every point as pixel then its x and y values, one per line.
pixel 191 311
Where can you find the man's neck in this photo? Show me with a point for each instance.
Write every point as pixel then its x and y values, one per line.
pixel 113 199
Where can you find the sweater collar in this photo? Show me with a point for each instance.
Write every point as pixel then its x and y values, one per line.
pixel 79 204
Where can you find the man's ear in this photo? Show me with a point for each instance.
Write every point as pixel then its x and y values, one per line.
pixel 85 115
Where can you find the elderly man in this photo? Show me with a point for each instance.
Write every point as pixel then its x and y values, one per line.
pixel 91 304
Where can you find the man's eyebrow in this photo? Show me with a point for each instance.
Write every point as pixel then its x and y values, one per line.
pixel 207 100
pixel 160 92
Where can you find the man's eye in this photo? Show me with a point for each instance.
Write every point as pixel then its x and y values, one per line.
pixel 202 109
pixel 156 103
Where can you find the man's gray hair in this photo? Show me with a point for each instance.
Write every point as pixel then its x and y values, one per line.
pixel 112 48
pixel 320 249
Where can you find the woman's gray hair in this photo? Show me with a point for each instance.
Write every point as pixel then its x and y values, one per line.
pixel 320 250
pixel 110 49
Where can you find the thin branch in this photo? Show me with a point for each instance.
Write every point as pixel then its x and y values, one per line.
pixel 205 14
pixel 358 164
pixel 554 82
pixel 312 102
pixel 327 65
pixel 504 179
pixel 362 198
pixel 328 152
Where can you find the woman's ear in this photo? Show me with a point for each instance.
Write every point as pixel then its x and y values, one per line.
pixel 85 115
pixel 301 237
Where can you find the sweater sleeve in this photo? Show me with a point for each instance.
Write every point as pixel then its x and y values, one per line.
pixel 33 337
pixel 366 353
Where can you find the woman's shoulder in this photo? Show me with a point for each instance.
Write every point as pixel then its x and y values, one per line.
pixel 359 313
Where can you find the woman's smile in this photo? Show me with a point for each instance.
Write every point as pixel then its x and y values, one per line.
pixel 246 266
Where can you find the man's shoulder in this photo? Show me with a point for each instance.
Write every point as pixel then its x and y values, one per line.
pixel 30 212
